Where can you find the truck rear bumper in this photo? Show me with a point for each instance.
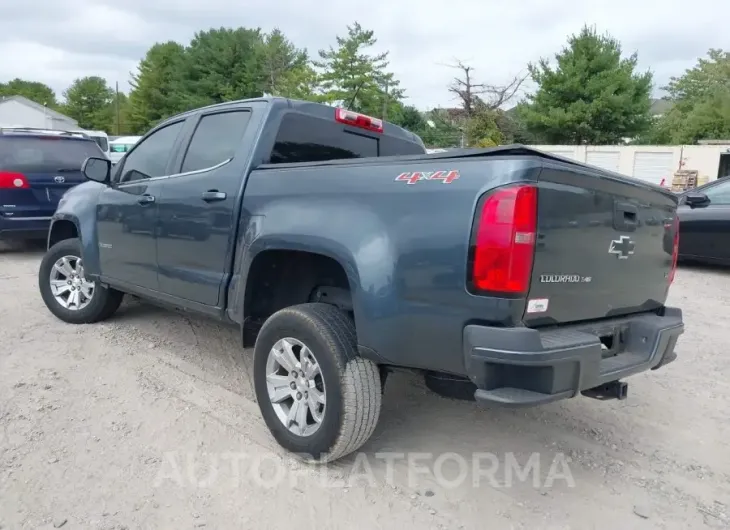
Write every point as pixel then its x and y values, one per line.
pixel 524 367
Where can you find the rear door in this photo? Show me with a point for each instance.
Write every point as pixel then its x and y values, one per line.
pixel 197 207
pixel 46 165
pixel 604 246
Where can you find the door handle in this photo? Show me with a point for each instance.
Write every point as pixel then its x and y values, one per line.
pixel 146 199
pixel 625 216
pixel 213 195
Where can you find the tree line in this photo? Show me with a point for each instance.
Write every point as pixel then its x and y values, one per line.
pixel 587 93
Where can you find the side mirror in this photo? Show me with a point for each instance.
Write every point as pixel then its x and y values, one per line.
pixel 696 200
pixel 97 169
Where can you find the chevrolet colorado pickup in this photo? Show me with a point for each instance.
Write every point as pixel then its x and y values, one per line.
pixel 343 251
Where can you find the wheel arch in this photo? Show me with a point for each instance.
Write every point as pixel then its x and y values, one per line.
pixel 285 276
pixel 65 226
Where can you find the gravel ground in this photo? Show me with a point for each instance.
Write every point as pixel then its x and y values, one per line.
pixel 137 423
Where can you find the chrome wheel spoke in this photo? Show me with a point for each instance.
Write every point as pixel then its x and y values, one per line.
pixel 63 266
pixel 315 407
pixel 73 300
pixel 291 419
pixel 87 289
pixel 316 396
pixel 301 417
pixel 60 287
pixel 310 367
pixel 285 355
pixel 279 388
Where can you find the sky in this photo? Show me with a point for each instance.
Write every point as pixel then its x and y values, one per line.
pixel 56 41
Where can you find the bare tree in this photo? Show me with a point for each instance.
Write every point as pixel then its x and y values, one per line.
pixel 473 95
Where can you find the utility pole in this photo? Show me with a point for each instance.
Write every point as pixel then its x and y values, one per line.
pixel 385 102
pixel 116 102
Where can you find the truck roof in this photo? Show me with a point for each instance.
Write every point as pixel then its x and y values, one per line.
pixel 317 110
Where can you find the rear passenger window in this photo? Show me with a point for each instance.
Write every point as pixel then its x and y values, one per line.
pixel 304 138
pixel 215 140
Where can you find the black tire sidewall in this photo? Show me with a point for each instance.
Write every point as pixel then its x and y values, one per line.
pixel 295 325
pixel 98 302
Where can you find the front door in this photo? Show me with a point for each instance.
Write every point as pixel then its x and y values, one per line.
pixel 128 212
pixel 705 231
pixel 196 231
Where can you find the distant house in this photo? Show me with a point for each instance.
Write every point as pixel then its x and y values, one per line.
pixel 18 111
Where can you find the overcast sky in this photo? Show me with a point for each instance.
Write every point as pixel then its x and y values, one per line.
pixel 56 41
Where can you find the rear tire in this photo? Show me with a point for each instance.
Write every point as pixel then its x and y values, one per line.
pixel 349 384
pixel 102 303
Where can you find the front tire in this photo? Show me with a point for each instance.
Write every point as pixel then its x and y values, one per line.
pixel 66 291
pixel 312 349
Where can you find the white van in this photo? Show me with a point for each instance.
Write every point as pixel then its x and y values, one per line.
pixel 101 139
pixel 119 147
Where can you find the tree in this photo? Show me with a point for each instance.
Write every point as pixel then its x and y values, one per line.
pixel 408 117
pixel 222 65
pixel 701 103
pixel 440 130
pixel 33 90
pixel 157 87
pixel 351 77
pixel 472 94
pixel 592 96
pixel 300 83
pixel 120 119
pixel 89 101
pixel 512 127
pixel 481 129
pixel 284 68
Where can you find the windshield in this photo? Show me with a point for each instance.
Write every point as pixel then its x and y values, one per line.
pixel 102 142
pixel 27 154
pixel 120 148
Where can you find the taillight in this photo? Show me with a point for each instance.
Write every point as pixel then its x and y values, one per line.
pixel 675 249
pixel 504 241
pixel 13 180
pixel 356 119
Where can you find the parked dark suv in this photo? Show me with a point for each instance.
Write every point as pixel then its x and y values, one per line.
pixel 36 168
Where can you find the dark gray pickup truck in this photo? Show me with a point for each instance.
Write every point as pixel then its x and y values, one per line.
pixel 343 251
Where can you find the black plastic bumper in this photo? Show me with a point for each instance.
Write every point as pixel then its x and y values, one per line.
pixel 524 367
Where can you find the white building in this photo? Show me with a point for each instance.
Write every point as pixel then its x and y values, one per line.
pixel 652 163
pixel 17 111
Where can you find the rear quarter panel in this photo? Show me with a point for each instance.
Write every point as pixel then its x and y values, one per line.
pixel 403 246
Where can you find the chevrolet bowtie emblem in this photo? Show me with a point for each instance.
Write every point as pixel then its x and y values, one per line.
pixel 622 247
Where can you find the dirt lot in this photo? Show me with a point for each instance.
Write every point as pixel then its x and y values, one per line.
pixel 138 422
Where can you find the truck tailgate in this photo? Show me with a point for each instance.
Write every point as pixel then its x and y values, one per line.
pixel 604 246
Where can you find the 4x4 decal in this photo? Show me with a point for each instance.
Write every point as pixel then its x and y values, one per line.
pixel 447 177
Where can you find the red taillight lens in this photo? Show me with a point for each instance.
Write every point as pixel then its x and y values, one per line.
pixel 675 249
pixel 358 120
pixel 504 243
pixel 13 180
